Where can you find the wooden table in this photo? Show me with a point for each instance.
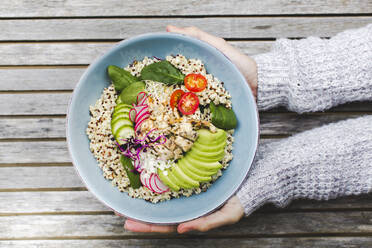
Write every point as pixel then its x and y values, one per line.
pixel 44 48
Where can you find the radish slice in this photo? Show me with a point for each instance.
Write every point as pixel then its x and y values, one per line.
pixel 160 185
pixel 153 183
pixel 132 114
pixel 141 97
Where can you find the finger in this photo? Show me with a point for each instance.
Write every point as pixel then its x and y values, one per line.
pixel 231 213
pixel 217 42
pixel 136 226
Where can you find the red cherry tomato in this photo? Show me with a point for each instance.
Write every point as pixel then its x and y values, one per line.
pixel 195 82
pixel 175 97
pixel 188 103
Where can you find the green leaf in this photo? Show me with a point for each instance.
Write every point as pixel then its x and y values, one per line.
pixel 129 94
pixel 120 77
pixel 223 117
pixel 133 175
pixel 162 71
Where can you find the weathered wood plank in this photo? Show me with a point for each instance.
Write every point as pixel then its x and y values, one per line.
pixel 39 177
pixel 34 104
pixel 32 128
pixel 78 53
pixel 39 79
pixel 56 104
pixel 84 201
pixel 237 27
pixel 270 124
pixel 45 8
pixel 330 242
pixel 34 152
pixel 84 226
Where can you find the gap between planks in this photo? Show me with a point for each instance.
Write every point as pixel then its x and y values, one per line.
pixel 192 236
pixel 310 15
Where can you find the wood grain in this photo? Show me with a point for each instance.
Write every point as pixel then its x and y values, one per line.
pixel 54 103
pixel 34 104
pixel 76 53
pixel 34 152
pixel 39 177
pixel 311 242
pixel 270 124
pixel 56 202
pixel 45 8
pixel 227 27
pixel 258 224
pixel 39 79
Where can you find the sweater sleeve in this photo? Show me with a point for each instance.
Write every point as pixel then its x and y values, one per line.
pixel 323 163
pixel 315 74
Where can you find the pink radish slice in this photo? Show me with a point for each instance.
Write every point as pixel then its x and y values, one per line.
pixel 151 184
pixel 154 184
pixel 132 114
pixel 142 116
pixel 140 97
pixel 159 184
pixel 142 179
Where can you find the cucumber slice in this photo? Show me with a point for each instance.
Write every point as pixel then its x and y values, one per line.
pixel 124 132
pixel 122 105
pixel 120 116
pixel 115 125
pixel 121 111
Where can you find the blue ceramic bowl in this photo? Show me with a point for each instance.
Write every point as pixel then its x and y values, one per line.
pixel 89 89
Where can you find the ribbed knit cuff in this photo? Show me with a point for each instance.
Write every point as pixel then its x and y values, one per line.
pixel 273 80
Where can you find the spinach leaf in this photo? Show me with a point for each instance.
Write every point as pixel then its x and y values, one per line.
pixel 120 77
pixel 223 117
pixel 162 71
pixel 133 175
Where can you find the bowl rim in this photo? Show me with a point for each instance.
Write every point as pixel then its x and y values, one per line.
pixel 106 53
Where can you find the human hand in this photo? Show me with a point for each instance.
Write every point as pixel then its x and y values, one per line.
pixel 231 213
pixel 245 64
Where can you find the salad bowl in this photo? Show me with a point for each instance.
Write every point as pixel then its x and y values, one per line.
pixel 176 210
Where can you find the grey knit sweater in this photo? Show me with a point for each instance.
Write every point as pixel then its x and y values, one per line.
pixel 327 162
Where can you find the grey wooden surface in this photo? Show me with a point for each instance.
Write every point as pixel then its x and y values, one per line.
pixel 44 48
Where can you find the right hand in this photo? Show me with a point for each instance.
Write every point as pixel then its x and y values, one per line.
pixel 245 64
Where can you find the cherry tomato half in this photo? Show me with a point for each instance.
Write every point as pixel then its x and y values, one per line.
pixel 188 103
pixel 175 97
pixel 195 82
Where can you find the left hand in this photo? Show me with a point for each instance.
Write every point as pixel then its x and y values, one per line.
pixel 230 213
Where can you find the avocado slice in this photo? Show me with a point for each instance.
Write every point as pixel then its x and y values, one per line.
pixel 183 178
pixel 184 166
pixel 206 159
pixel 167 181
pixel 206 137
pixel 208 166
pixel 196 169
pixel 177 181
pixel 209 148
pixel 213 156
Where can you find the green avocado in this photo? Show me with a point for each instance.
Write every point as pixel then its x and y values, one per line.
pixel 197 156
pixel 167 181
pixel 208 166
pixel 197 175
pixel 209 148
pixel 212 156
pixel 206 137
pixel 183 178
pixel 178 181
pixel 196 169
